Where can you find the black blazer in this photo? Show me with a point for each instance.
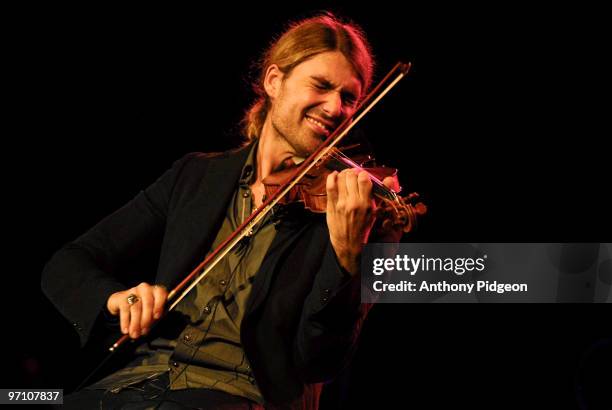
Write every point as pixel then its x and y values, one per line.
pixel 304 312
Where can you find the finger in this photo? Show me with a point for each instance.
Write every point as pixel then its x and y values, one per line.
pixel 124 316
pixel 392 183
pixel 342 191
pixel 146 304
pixel 135 314
pixel 352 188
pixel 331 187
pixel 160 293
pixel 364 184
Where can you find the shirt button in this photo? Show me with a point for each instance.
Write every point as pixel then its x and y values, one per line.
pixel 187 337
pixel 206 309
pixel 222 283
pixel 324 299
pixel 246 194
pixel 175 364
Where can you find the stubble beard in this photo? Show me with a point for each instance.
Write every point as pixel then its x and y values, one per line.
pixel 295 141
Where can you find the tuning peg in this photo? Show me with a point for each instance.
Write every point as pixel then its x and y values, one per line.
pixel 420 208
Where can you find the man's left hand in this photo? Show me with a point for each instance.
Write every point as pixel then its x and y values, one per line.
pixel 350 213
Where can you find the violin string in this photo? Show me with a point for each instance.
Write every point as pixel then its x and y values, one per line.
pixel 338 155
pixel 396 203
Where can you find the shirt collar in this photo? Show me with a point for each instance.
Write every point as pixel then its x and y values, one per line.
pixel 248 170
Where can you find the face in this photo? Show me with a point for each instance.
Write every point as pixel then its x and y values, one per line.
pixel 310 102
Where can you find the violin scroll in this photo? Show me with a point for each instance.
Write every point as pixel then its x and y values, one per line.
pixel 400 214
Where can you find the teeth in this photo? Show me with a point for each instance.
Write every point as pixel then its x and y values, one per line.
pixel 319 123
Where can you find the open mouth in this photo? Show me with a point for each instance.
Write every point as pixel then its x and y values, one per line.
pixel 318 126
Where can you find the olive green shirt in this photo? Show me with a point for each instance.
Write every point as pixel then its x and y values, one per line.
pixel 208 352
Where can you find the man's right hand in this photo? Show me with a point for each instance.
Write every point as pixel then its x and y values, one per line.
pixel 137 318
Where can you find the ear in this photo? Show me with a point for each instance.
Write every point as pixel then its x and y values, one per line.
pixel 273 81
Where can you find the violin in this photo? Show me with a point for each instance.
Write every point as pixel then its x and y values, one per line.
pixel 394 211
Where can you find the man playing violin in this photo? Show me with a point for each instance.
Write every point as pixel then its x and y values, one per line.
pixel 281 313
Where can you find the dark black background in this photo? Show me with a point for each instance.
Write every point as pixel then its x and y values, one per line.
pixel 498 126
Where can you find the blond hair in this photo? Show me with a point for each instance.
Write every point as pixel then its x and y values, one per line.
pixel 303 40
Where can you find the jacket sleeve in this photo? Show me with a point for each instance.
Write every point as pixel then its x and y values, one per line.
pixel 79 278
pixel 330 323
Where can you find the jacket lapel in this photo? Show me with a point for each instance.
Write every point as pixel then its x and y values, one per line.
pixel 290 227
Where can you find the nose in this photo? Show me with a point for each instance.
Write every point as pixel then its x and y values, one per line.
pixel 332 106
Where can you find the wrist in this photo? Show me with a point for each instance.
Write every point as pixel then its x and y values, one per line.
pixel 349 261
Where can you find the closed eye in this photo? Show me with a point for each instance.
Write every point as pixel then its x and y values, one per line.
pixel 322 85
pixel 349 99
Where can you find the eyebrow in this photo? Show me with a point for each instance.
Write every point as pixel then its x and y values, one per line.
pixel 322 80
pixel 325 82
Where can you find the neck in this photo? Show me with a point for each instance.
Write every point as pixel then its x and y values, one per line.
pixel 273 152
